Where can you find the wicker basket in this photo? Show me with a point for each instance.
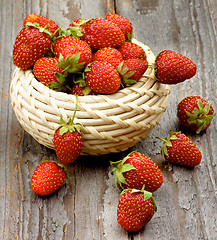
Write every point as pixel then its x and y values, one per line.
pixel 110 123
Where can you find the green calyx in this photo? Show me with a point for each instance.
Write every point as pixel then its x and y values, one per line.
pixel 68 65
pixel 60 85
pixel 121 167
pixel 147 195
pixel 200 116
pixel 129 37
pixel 168 143
pixel 41 29
pixel 71 65
pixel 125 75
pixel 74 31
pixel 82 83
pixel 70 126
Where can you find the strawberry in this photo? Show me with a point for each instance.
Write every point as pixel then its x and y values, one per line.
pixel 67 140
pixel 81 90
pixel 30 45
pixel 48 71
pixel 132 50
pixel 75 28
pixel 75 51
pixel 47 178
pixel 131 70
pixel 102 77
pixel 135 171
pixel 135 209
pixel 179 149
pixel 43 22
pixel 30 18
pixel 173 68
pixel 195 113
pixel 110 55
pixel 123 23
pixel 100 33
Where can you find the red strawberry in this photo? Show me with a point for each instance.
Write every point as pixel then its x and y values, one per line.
pixel 67 140
pixel 75 28
pixel 135 171
pixel 110 55
pixel 132 50
pixel 173 68
pixel 75 51
pixel 123 23
pixel 100 33
pixel 102 78
pixel 81 90
pixel 47 178
pixel 42 21
pixel 135 209
pixel 30 18
pixel 131 70
pixel 30 45
pixel 195 113
pixel 48 71
pixel 179 149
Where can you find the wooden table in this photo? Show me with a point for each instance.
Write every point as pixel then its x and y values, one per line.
pixel 85 207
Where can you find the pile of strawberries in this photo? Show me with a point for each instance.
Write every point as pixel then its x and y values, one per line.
pixel 96 56
pixel 93 56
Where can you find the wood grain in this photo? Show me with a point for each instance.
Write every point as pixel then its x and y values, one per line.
pixel 85 207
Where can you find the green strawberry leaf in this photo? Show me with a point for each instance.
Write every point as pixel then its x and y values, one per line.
pixel 86 90
pixel 129 37
pixel 199 116
pixel 120 177
pixel 75 32
pixel 126 168
pixel 128 82
pixel 167 143
pixel 71 65
pixel 63 130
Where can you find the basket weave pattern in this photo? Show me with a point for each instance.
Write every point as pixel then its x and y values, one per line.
pixel 110 123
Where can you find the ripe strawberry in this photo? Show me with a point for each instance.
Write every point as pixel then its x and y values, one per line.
pixel 179 149
pixel 75 51
pixel 48 71
pixel 81 90
pixel 75 28
pixel 195 113
pixel 135 209
pixel 132 50
pixel 100 33
pixel 173 68
pixel 131 70
pixel 30 18
pixel 43 22
pixel 102 77
pixel 67 140
pixel 123 23
pixel 30 45
pixel 110 55
pixel 47 178
pixel 135 171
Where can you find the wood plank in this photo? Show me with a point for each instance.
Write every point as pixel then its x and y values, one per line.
pixel 85 207
pixel 182 200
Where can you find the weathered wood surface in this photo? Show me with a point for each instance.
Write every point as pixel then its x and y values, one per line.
pixel 85 207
